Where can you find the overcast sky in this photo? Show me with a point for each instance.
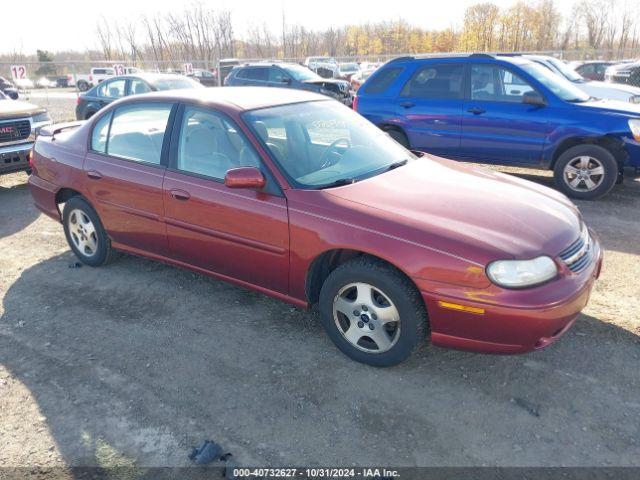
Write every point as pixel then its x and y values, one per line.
pixel 70 25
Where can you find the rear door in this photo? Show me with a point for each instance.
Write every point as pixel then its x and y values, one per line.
pixel 497 127
pixel 237 233
pixel 429 108
pixel 125 167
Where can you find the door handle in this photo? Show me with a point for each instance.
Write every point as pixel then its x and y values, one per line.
pixel 93 175
pixel 407 104
pixel 179 194
pixel 476 110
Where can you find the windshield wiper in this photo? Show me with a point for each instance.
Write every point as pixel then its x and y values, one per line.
pixel 338 183
pixel 397 164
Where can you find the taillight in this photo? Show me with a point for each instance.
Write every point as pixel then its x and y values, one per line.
pixel 91 78
pixel 78 100
pixel 355 103
pixel 30 158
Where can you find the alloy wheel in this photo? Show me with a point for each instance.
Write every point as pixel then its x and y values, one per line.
pixel 366 317
pixel 83 233
pixel 584 173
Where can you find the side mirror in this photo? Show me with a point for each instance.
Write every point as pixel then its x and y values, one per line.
pixel 533 98
pixel 286 81
pixel 244 177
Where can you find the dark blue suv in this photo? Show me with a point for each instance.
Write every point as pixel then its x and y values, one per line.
pixel 508 111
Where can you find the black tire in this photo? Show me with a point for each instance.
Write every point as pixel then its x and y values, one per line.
pixel 83 86
pixel 399 136
pixel 599 154
pixel 104 253
pixel 401 292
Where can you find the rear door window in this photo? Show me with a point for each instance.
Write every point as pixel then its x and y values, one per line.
pixel 254 73
pixel 100 133
pixel 436 82
pixel 112 89
pixel 383 80
pixel 137 132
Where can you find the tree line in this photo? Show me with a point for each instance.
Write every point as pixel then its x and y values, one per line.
pixel 203 34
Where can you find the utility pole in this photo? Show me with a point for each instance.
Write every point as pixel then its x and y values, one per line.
pixel 284 54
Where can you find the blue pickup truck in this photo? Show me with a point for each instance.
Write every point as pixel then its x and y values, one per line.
pixel 508 111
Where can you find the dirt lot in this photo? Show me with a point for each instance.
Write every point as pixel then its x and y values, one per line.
pixel 133 363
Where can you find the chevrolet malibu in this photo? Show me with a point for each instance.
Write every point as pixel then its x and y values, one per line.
pixel 296 196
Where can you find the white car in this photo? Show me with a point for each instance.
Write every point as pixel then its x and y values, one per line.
pixel 603 90
pixel 44 82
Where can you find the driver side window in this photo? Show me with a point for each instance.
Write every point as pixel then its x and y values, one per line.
pixel 210 145
pixel 497 84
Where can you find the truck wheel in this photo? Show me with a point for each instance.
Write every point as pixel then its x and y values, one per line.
pixel 83 86
pixel 586 172
pixel 85 234
pixel 372 312
pixel 399 136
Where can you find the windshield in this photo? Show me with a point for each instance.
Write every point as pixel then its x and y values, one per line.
pixel 301 74
pixel 323 143
pixel 566 71
pixel 175 83
pixel 560 86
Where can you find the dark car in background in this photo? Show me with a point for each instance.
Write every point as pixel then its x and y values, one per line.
pixel 8 88
pixel 628 73
pixel 117 87
pixel 205 77
pixel 288 75
pixel 591 69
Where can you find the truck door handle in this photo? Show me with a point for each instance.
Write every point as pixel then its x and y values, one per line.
pixel 93 175
pixel 179 194
pixel 476 110
pixel 407 104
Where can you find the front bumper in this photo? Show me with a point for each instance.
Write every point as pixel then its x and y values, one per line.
pixel 632 146
pixel 14 158
pixel 509 321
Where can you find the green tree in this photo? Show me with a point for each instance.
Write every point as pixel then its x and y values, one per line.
pixel 46 67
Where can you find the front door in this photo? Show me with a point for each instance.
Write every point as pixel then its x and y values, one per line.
pixel 497 127
pixel 430 108
pixel 125 174
pixel 238 233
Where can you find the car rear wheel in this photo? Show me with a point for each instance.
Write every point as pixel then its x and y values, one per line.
pixel 372 312
pixel 85 234
pixel 586 172
pixel 83 86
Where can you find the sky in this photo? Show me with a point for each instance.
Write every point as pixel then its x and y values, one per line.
pixel 70 25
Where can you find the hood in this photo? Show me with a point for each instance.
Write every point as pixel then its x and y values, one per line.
pixel 618 107
pixel 611 91
pixel 466 210
pixel 17 108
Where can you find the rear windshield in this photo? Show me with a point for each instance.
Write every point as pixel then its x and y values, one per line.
pixel 382 80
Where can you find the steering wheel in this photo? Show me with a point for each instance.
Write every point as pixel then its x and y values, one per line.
pixel 325 158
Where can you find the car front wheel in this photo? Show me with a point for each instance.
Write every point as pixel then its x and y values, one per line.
pixel 85 234
pixel 586 172
pixel 372 312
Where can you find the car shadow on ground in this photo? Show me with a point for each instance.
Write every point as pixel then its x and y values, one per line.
pixel 15 197
pixel 134 362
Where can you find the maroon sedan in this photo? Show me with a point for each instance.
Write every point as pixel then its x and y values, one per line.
pixel 296 196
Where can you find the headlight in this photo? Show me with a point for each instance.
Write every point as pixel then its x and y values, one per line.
pixel 634 125
pixel 41 117
pixel 635 99
pixel 522 273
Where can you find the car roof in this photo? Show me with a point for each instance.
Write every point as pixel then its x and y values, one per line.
pixel 238 98
pixel 516 59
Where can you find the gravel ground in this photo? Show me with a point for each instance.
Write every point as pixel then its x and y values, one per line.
pixel 133 363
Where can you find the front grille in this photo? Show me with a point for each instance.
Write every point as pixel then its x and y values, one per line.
pixel 15 130
pixel 577 256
